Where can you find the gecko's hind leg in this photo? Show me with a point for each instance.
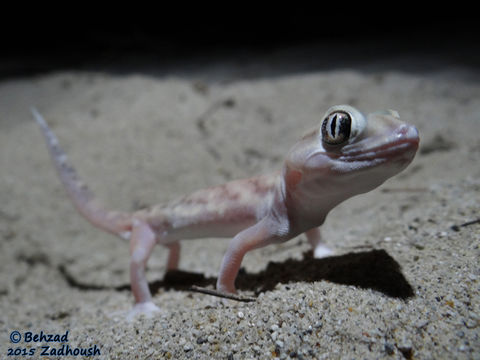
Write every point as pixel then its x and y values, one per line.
pixel 141 245
pixel 320 249
pixel 173 256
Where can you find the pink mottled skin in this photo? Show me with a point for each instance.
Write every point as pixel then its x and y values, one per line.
pixel 348 154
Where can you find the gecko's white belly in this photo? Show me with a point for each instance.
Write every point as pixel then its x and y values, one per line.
pixel 206 230
pixel 205 223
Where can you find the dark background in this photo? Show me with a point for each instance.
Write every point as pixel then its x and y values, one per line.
pixel 85 37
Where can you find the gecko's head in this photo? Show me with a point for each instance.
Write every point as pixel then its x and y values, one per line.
pixel 353 153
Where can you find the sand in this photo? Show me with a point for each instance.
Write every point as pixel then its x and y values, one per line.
pixel 404 282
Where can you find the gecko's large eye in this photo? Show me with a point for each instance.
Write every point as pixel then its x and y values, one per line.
pixel 336 128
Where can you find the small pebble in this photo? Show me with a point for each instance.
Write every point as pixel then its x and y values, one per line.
pixel 211 339
pixel 389 349
pixel 201 340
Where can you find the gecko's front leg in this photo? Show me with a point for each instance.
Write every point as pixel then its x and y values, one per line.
pixel 259 235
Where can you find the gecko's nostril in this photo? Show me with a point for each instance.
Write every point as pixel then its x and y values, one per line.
pixel 407 132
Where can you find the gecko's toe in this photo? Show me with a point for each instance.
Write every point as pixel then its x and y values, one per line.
pixel 322 252
pixel 147 309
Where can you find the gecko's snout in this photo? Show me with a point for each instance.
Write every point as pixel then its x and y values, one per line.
pixel 407 134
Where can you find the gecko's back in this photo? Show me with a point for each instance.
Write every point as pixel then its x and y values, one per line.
pixel 219 211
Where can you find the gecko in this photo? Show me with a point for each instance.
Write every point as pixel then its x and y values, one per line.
pixel 346 154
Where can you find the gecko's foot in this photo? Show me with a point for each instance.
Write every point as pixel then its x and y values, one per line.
pixel 147 309
pixel 226 289
pixel 322 251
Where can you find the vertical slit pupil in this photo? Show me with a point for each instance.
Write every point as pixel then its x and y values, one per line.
pixel 333 125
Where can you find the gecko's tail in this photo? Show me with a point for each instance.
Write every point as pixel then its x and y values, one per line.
pixel 117 223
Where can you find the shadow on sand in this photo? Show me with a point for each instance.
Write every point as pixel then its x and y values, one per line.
pixel 374 269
